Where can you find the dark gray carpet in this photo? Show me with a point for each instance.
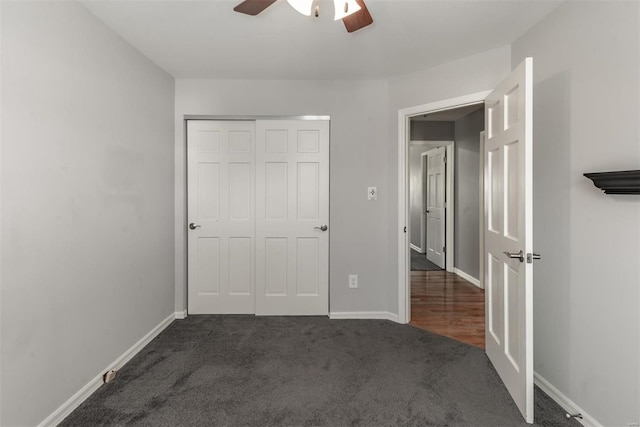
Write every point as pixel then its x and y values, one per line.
pixel 306 371
pixel 419 262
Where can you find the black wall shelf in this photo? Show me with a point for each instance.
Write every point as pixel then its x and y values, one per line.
pixel 621 182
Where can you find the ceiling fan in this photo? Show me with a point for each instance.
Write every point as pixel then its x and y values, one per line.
pixel 354 13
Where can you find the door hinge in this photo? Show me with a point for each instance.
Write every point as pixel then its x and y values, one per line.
pixel 444 249
pixel 444 159
pixel 444 205
pixel 405 229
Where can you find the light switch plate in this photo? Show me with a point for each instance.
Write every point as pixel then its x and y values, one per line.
pixel 353 281
pixel 372 193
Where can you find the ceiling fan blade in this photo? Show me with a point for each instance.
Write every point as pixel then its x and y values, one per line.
pixel 359 19
pixel 253 7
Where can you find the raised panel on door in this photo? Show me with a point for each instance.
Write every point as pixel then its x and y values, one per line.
pixel 275 180
pixel 221 205
pixel 240 191
pixel 508 231
pixel 292 203
pixel 308 191
pixel 240 272
pixel 307 267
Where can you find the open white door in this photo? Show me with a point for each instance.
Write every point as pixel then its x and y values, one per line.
pixel 221 234
pixel 292 217
pixel 435 206
pixel 508 231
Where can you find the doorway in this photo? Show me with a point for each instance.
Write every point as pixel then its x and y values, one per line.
pixel 448 300
pixel 419 238
pixel 506 217
pixel 404 116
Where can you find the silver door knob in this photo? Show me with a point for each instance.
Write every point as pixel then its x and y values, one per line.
pixel 519 255
pixel 194 226
pixel 323 227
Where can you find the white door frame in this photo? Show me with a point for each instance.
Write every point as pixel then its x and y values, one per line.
pixel 404 258
pixel 449 194
pixel 481 209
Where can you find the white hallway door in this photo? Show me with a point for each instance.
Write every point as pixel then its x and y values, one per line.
pixel 435 206
pixel 508 231
pixel 252 243
pixel 292 217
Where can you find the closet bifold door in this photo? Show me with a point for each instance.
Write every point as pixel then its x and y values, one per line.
pixel 292 217
pixel 221 216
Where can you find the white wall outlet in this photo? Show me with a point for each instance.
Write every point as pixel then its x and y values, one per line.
pixel 372 193
pixel 353 281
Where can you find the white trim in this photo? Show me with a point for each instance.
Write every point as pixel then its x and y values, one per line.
pixel 481 210
pixel 415 248
pixel 423 187
pixel 404 294
pixel 179 315
pixel 566 403
pixel 251 118
pixel 383 315
pixel 469 278
pixel 67 407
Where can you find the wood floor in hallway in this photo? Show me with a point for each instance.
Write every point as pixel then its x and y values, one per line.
pixel 446 304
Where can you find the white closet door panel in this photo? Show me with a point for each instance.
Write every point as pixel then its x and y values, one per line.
pixel 221 204
pixel 292 199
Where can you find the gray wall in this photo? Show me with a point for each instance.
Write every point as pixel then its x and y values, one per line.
pixel 472 74
pixel 587 286
pixel 358 240
pixel 467 193
pixel 430 131
pixel 87 203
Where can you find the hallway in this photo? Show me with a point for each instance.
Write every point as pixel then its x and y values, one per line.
pixel 446 304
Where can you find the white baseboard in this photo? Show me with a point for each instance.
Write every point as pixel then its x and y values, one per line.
pixel 469 278
pixel 67 407
pixel 181 315
pixel 415 248
pixel 566 403
pixel 383 315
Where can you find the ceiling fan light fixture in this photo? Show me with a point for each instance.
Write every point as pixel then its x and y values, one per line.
pixel 344 8
pixel 304 7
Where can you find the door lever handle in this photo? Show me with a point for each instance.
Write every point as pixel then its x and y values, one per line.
pixel 518 256
pixel 323 227
pixel 194 226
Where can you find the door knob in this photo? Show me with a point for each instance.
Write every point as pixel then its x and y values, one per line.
pixel 194 226
pixel 323 227
pixel 519 255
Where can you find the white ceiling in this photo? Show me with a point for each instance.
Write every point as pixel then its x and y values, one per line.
pixel 206 39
